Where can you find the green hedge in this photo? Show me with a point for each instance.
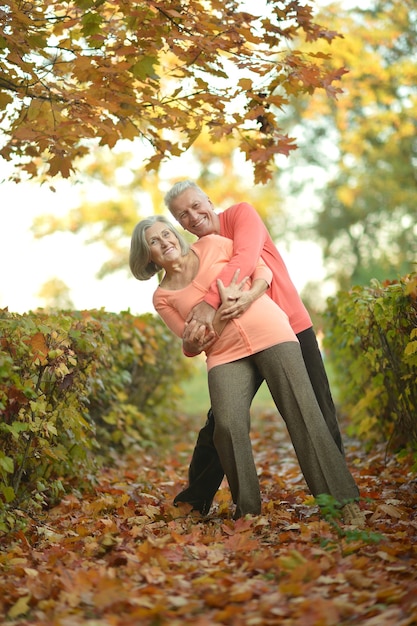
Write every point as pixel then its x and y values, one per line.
pixel 76 388
pixel 371 342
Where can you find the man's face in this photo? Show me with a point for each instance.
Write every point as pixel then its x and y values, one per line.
pixel 194 211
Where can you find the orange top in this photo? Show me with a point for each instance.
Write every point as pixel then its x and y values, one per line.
pixel 262 325
pixel 251 240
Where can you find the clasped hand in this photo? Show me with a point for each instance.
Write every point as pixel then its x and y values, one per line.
pixel 196 337
pixel 204 324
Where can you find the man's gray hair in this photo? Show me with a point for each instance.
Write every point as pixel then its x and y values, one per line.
pixel 178 189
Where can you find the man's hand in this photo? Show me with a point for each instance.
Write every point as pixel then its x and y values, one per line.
pixel 234 290
pixel 202 313
pixel 238 307
pixel 196 338
pixel 239 300
pixel 234 299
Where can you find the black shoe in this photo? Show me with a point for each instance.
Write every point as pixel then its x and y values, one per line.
pixel 186 496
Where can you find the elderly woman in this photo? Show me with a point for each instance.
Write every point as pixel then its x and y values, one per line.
pixel 259 342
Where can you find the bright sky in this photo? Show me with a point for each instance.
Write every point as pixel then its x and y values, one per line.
pixel 28 263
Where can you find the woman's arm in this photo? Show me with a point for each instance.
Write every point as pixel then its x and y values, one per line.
pixel 193 335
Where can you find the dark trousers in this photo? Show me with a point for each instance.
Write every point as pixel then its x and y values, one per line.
pixel 206 473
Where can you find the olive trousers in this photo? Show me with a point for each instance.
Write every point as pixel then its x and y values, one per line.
pixel 232 387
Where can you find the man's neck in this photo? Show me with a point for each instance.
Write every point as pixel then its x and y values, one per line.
pixel 216 225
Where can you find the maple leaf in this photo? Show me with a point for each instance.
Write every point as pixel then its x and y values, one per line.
pixel 77 74
pixel 107 558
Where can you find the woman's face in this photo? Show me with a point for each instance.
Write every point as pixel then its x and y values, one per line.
pixel 164 246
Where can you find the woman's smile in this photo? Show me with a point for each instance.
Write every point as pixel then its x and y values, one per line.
pixel 162 243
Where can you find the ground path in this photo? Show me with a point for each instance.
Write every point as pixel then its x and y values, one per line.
pixel 124 556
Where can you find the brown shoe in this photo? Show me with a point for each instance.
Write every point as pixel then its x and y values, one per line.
pixel 353 516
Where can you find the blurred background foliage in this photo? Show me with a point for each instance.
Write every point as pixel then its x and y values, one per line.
pixel 351 186
pixel 358 156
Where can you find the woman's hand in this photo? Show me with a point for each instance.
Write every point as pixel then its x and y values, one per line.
pixel 202 313
pixel 197 338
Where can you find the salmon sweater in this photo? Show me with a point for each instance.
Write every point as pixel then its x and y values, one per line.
pixel 251 240
pixel 263 324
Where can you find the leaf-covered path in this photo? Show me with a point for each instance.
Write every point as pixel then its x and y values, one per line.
pixel 127 557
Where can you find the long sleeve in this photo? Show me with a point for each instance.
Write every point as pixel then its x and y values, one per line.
pixel 169 315
pixel 251 240
pixel 261 271
pixel 248 232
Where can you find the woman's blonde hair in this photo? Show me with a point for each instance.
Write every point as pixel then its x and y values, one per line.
pixel 140 264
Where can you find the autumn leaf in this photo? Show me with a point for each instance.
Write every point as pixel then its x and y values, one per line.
pixel 122 554
pixel 39 346
pixel 21 607
pixel 72 70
